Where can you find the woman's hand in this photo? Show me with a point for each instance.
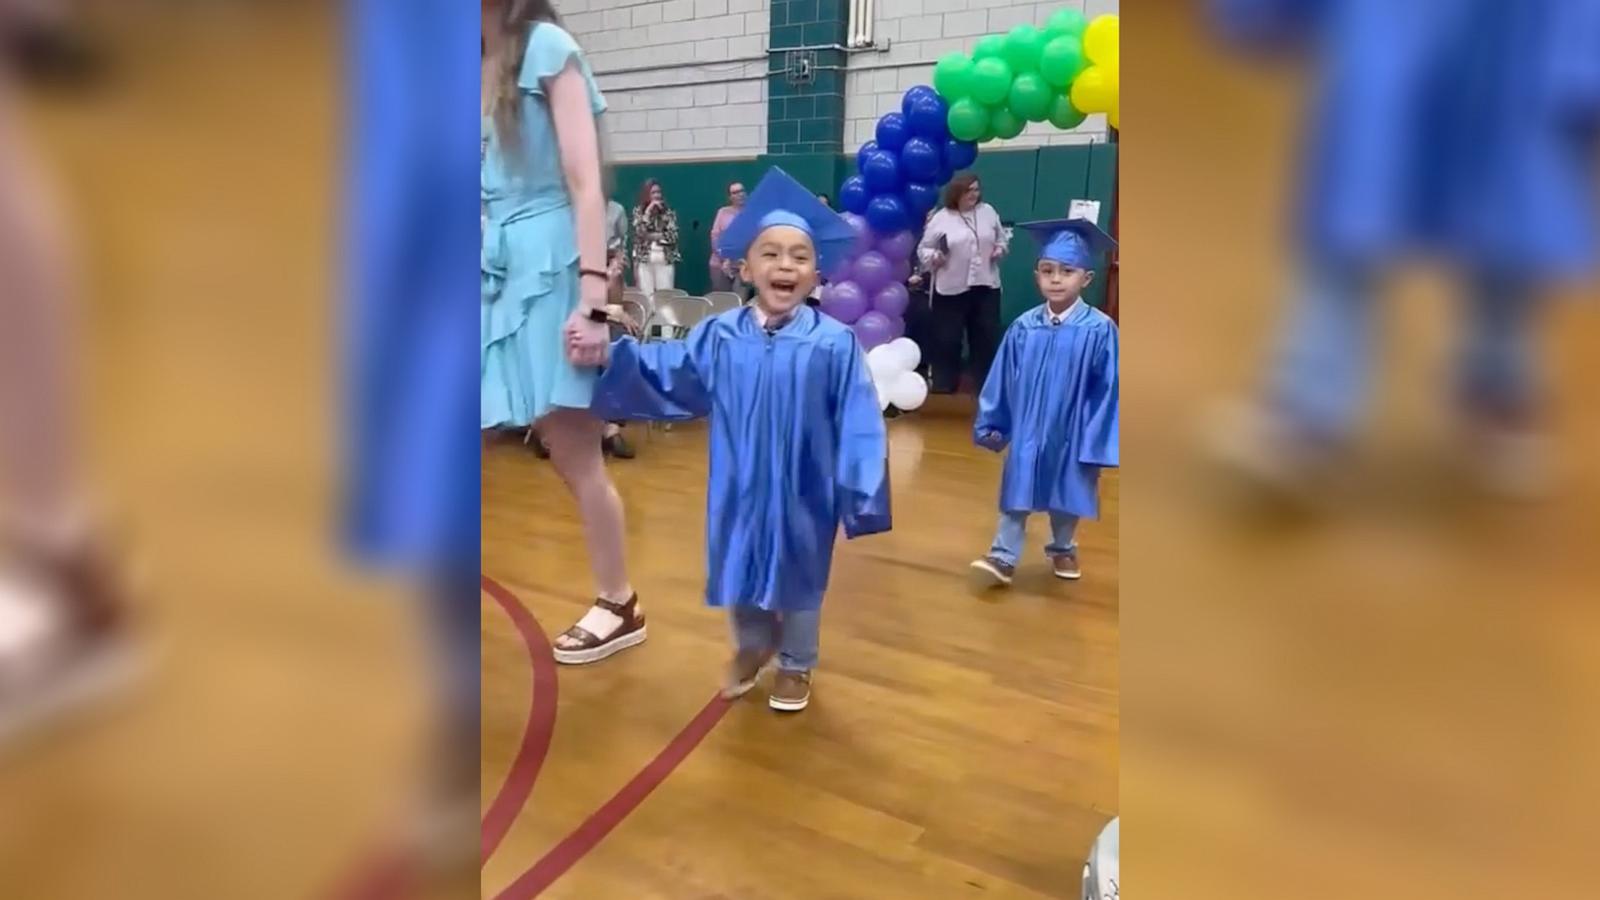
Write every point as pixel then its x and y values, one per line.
pixel 586 340
pixel 998 253
pixel 936 260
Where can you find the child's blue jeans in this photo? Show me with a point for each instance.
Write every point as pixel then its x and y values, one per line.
pixel 1322 376
pixel 1013 531
pixel 793 634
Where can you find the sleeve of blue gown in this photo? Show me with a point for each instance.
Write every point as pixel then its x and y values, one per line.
pixel 664 381
pixel 1099 443
pixel 1574 61
pixel 994 401
pixel 863 469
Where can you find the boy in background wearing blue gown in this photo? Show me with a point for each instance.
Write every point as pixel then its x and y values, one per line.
pixel 1052 397
pixel 798 444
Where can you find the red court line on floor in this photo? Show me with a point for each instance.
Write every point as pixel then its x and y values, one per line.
pixel 576 845
pixel 536 733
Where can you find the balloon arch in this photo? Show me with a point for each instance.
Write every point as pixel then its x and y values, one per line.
pixel 1058 74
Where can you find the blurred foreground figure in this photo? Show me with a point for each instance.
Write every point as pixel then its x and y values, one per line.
pixel 411 341
pixel 1460 131
pixel 63 635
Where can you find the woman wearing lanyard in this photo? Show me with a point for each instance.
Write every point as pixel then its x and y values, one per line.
pixel 655 240
pixel 962 247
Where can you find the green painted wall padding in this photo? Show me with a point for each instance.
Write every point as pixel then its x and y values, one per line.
pixel 1023 185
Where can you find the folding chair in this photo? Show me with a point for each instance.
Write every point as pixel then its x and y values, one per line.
pixel 722 301
pixel 676 315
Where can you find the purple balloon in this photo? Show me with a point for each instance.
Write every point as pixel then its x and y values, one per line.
pixel 845 301
pixel 863 231
pixel 899 324
pixel 874 328
pixel 871 272
pixel 892 300
pixel 899 269
pixel 898 245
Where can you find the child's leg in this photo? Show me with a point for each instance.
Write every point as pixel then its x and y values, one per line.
pixel 1497 375
pixel 1008 537
pixel 755 638
pixel 754 630
pixel 1320 376
pixel 1062 528
pixel 798 637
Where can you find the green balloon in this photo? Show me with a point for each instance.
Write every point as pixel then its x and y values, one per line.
pixel 1004 123
pixel 1023 46
pixel 968 120
pixel 1067 21
pixel 1063 114
pixel 1030 97
pixel 952 77
pixel 991 47
pixel 1061 60
pixel 991 81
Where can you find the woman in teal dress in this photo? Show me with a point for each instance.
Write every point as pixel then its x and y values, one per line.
pixel 545 282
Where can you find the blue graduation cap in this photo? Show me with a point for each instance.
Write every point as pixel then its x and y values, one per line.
pixel 1071 242
pixel 780 200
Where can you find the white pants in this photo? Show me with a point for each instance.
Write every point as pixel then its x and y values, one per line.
pixel 654 273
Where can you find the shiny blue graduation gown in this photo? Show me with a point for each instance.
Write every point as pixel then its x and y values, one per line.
pixel 410 444
pixel 1052 396
pixel 1460 128
pixel 797 445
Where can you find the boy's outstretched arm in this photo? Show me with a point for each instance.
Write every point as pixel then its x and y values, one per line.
pixel 666 381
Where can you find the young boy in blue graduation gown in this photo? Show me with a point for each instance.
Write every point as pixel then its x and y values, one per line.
pixel 1052 397
pixel 798 444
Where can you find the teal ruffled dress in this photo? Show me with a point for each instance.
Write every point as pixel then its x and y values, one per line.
pixel 530 254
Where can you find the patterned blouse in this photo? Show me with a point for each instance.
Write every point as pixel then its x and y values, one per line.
pixel 662 220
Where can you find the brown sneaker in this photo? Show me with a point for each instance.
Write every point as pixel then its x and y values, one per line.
pixel 791 692
pixel 1066 565
pixel 743 671
pixel 993 571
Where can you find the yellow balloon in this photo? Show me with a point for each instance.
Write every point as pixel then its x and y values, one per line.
pixel 1101 38
pixel 1091 91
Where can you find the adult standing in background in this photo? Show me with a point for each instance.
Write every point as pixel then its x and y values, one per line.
pixel 722 278
pixel 962 248
pixel 616 239
pixel 655 240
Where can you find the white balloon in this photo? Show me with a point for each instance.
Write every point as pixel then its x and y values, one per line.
pixel 883 364
pixel 882 384
pixel 906 352
pixel 908 391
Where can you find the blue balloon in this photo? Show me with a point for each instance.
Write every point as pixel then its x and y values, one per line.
pixel 929 118
pixel 913 96
pixel 920 160
pixel 960 154
pixel 945 174
pixel 881 171
pixel 921 198
pixel 853 195
pixel 893 130
pixel 887 214
pixel 867 149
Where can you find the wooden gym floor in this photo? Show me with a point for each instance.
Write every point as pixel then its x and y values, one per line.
pixel 957 745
